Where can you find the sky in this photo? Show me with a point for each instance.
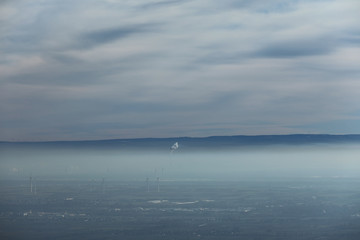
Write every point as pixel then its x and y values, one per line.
pixel 85 70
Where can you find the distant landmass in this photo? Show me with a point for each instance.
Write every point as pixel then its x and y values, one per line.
pixel 196 143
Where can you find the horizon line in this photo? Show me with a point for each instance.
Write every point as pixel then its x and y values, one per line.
pixel 158 138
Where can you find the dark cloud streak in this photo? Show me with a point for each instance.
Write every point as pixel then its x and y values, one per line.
pixel 162 4
pixel 293 49
pixel 103 36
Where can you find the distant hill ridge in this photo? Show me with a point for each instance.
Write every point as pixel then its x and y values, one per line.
pixel 198 142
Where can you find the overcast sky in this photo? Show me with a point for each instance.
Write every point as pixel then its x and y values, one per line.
pixel 91 69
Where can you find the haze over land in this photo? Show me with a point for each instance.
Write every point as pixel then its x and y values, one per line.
pixel 213 158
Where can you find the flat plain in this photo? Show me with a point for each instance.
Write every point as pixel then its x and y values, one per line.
pixel 303 208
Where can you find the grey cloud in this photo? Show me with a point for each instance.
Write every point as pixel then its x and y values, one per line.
pixel 162 4
pixel 65 59
pixel 293 49
pixel 247 3
pixel 268 6
pixel 103 36
pixel 65 70
pixel 258 6
pixel 72 78
pixel 3 2
pixel 216 58
pixel 355 40
pixel 201 72
pixel 24 43
pixel 351 37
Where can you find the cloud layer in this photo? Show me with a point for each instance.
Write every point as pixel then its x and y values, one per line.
pixel 123 69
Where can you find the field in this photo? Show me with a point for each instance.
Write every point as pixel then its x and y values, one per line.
pixel 306 208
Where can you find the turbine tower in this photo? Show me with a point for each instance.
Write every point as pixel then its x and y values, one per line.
pixel 158 184
pixel 147 184
pixel 35 186
pixel 31 184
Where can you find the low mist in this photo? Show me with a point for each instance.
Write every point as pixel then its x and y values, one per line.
pixel 236 164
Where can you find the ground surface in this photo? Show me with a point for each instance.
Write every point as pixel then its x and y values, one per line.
pixel 257 209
